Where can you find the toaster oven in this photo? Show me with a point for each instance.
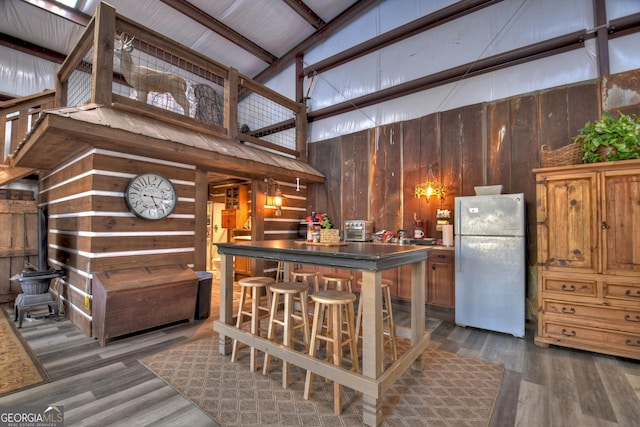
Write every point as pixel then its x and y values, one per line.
pixel 358 230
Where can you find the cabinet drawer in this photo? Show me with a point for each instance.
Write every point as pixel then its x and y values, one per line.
pixel 624 291
pixel 625 319
pixel 440 256
pixel 568 287
pixel 597 339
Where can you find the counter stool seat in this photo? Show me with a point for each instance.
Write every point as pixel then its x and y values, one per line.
pixel 292 292
pixel 259 310
pixel 340 282
pixel 387 317
pixel 340 332
pixel 304 276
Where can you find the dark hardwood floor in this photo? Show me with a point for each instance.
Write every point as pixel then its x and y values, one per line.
pixel 101 386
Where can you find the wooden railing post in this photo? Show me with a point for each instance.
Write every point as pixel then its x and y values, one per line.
pixel 104 36
pixel 231 103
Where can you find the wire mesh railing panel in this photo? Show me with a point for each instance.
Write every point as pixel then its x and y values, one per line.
pixel 164 80
pixel 79 83
pixel 263 118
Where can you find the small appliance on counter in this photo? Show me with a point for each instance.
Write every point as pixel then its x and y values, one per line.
pixel 358 230
pixel 419 228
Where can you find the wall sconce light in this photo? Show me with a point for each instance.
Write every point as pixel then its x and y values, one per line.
pixel 431 187
pixel 274 198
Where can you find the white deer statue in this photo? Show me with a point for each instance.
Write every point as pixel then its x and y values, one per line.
pixel 146 80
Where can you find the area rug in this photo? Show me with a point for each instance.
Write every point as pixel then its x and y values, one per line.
pixel 19 367
pixel 451 391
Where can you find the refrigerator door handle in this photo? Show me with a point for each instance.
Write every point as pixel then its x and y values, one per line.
pixel 457 230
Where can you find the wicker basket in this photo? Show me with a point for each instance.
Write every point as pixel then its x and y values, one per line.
pixel 329 235
pixel 564 156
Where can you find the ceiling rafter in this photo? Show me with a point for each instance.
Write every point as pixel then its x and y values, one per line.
pixel 306 13
pixel 31 49
pixel 355 10
pixel 61 10
pixel 218 27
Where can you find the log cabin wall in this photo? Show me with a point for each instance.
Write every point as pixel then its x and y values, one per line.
pixel 91 229
pixel 272 227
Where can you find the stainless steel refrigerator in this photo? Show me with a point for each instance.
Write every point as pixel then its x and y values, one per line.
pixel 490 262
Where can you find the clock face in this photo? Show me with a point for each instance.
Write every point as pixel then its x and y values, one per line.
pixel 151 196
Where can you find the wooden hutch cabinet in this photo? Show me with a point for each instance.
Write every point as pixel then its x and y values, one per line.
pixel 588 236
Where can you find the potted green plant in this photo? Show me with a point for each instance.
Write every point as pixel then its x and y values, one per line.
pixel 610 138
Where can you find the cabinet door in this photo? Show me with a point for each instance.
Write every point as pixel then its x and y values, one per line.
pixel 568 227
pixel 621 222
pixel 441 289
pixel 403 290
pixel 229 219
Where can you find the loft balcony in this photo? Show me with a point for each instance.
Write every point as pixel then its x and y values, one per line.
pixel 123 76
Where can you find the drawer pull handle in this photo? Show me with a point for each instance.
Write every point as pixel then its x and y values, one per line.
pixel 442 256
pixel 633 344
pixel 628 318
pixel 568 334
pixel 569 310
pixel 629 294
pixel 570 288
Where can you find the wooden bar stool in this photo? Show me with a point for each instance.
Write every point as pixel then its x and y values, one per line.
pixel 254 285
pixel 387 316
pixel 280 272
pixel 306 275
pixel 337 281
pixel 292 292
pixel 340 332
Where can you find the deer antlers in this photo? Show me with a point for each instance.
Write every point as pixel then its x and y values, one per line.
pixel 126 43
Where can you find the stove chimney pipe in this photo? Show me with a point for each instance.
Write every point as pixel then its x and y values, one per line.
pixel 43 264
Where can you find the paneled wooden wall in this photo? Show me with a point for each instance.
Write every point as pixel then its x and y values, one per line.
pixel 18 243
pixel 91 229
pixel 372 174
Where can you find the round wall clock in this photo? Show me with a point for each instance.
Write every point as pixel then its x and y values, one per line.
pixel 151 196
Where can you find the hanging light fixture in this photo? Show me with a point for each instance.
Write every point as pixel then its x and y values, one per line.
pixel 274 198
pixel 431 187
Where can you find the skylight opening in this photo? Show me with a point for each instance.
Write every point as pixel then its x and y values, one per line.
pixel 70 3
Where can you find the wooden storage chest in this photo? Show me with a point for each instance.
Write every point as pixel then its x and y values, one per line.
pixel 135 299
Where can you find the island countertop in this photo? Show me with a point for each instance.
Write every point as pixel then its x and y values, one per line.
pixel 353 255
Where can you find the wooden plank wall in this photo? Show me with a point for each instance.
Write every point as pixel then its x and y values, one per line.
pixel 91 229
pixel 18 243
pixel 372 174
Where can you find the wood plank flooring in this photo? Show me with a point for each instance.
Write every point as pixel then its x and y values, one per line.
pixel 101 386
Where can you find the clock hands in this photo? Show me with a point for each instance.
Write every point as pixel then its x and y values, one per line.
pixel 151 196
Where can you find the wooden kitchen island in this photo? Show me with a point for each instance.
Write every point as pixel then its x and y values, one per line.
pixel 368 258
